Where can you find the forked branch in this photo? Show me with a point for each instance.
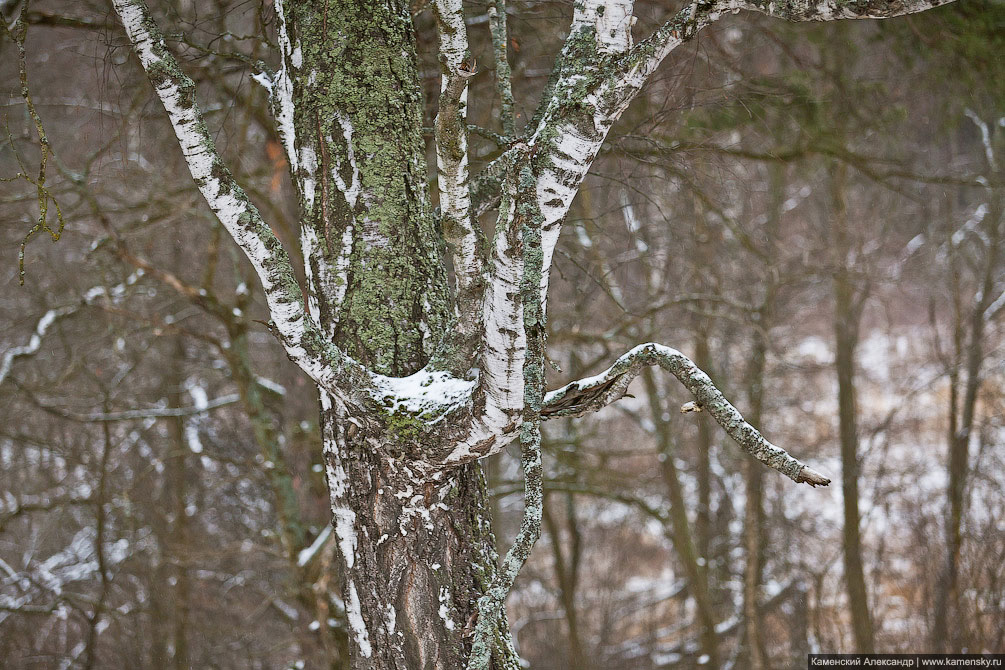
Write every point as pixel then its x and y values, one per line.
pixel 590 394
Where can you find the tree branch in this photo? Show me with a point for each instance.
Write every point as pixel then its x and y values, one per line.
pixel 460 231
pixel 810 10
pixel 643 60
pixel 46 321
pixel 504 85
pixel 590 394
pixel 304 344
pixel 490 605
pixel 136 414
pixel 600 73
pixel 564 143
pixel 597 75
pixel 18 33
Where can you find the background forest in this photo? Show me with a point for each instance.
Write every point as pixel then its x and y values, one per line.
pixel 813 213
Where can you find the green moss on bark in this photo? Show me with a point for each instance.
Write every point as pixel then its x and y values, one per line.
pixel 358 69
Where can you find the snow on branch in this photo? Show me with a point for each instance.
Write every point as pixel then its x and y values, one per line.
pixel 53 315
pixel 328 366
pixel 307 555
pixel 813 10
pixel 150 413
pixel 989 153
pixel 590 394
pixel 34 343
pixel 644 58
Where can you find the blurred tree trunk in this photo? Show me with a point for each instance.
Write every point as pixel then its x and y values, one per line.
pixel 680 527
pixel 753 518
pixel 567 571
pixel 292 528
pixel 964 385
pixel 176 494
pixel 849 299
pixel 703 468
pixel 800 626
pixel 100 539
pixel 567 564
pixel 753 526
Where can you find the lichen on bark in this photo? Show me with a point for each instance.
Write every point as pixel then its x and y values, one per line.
pixel 358 116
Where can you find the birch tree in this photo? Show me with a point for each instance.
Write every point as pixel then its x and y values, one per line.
pixel 427 341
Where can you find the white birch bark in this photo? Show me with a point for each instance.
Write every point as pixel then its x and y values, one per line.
pixel 330 368
pixel 460 230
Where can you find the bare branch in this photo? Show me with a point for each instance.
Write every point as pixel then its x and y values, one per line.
pixel 643 59
pixel 504 86
pixel 807 10
pixel 35 342
pixel 15 507
pixel 461 233
pixel 989 152
pixel 151 413
pixel 53 315
pixel 589 395
pixel 18 33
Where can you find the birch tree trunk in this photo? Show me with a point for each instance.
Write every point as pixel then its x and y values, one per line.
pixel 417 552
pixel 419 378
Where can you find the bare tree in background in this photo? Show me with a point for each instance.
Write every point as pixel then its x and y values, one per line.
pixel 975 254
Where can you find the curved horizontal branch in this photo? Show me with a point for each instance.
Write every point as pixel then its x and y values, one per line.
pixel 136 414
pixel 643 59
pixel 836 10
pixel 590 394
